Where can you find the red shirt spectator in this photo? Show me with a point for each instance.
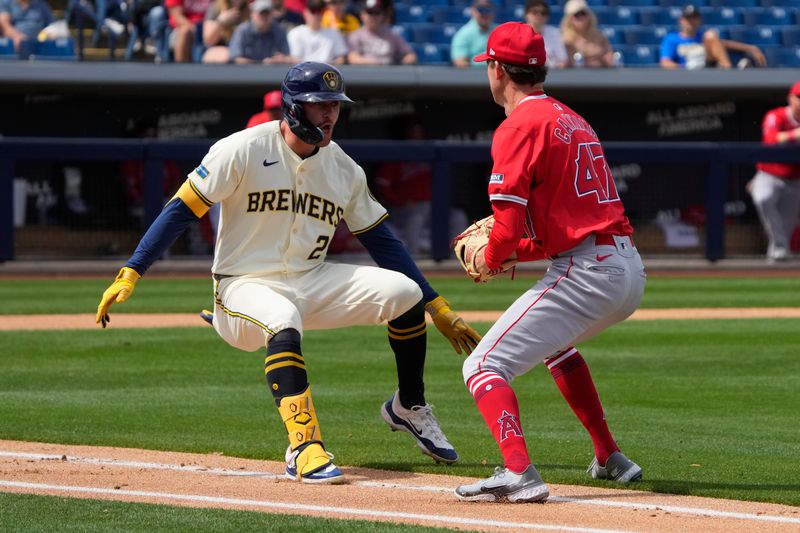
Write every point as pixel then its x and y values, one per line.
pixel 272 110
pixel 193 10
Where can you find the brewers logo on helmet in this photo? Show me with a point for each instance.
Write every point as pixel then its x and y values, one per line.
pixel 332 79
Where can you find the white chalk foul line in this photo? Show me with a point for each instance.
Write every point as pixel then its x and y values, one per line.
pixel 426 488
pixel 295 507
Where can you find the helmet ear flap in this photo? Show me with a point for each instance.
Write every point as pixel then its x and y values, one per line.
pixel 296 119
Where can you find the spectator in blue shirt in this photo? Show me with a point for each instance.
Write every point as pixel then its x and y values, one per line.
pixel 261 39
pixel 22 20
pixel 694 47
pixel 470 40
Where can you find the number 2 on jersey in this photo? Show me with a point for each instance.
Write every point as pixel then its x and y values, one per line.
pixel 323 241
pixel 593 175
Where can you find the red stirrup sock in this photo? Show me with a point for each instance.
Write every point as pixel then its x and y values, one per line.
pixel 498 404
pixel 573 379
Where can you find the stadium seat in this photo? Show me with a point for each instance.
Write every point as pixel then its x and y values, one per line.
pixel 785 57
pixel 433 2
pixel 632 3
pixel 660 17
pixel 7 50
pixel 724 16
pixel 403 31
pixel 409 14
pixel 450 14
pixel 613 34
pixel 790 36
pixel 639 55
pixel 617 16
pixel 556 14
pixel 681 3
pixel 780 3
pixel 652 35
pixel 449 30
pixel 429 33
pixel 771 16
pixel 509 14
pixel 62 49
pixel 431 53
pixel 733 3
pixel 759 36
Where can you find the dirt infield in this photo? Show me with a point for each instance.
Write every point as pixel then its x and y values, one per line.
pixel 226 482
pixel 172 320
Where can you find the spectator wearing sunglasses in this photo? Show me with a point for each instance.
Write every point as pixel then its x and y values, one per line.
pixel 312 42
pixel 585 43
pixel 537 14
pixel 470 40
pixel 375 43
pixel 337 17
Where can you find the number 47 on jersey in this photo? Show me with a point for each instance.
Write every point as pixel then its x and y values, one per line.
pixel 593 176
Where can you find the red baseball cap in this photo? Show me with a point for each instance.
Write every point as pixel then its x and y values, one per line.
pixel 795 90
pixel 272 100
pixel 514 43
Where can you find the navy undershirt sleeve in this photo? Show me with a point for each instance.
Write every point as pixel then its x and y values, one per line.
pixel 390 253
pixel 165 229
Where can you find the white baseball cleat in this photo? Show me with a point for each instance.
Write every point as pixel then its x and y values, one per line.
pixel 617 468
pixel 327 473
pixel 506 486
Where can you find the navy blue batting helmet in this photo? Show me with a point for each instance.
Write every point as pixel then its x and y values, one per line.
pixel 309 82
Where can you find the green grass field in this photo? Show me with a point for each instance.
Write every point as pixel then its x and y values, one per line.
pixel 164 295
pixel 707 407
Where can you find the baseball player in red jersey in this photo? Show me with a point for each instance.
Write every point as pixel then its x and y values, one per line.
pixel 776 186
pixel 553 197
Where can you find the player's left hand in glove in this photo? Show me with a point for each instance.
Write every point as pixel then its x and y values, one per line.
pixel 452 326
pixel 470 247
pixel 118 292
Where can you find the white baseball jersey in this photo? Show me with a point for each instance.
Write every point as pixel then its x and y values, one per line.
pixel 279 211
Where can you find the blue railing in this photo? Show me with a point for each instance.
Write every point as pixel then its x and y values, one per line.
pixel 715 157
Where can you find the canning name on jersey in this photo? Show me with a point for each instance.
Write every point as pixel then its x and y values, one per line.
pixel 280 211
pixel 549 159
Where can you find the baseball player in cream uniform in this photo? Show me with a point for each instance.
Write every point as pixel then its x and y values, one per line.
pixel 283 187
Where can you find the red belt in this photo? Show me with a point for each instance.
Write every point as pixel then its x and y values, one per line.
pixel 607 238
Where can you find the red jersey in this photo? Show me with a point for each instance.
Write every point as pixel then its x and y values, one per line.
pixel 551 181
pixel 775 121
pixel 194 10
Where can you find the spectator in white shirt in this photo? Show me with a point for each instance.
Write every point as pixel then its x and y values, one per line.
pixel 537 13
pixel 312 42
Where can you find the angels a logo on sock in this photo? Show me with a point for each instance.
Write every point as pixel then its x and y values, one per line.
pixel 509 425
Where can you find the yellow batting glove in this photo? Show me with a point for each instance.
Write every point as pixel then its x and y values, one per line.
pixel 452 326
pixel 118 292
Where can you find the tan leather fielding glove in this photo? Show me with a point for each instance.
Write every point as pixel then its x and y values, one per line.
pixel 452 326
pixel 118 292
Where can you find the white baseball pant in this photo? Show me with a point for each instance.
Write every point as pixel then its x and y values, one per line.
pixel 249 310
pixel 585 290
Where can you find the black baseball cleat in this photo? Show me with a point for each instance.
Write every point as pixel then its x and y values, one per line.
pixel 420 422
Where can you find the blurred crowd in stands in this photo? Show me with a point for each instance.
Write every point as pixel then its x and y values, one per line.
pixel 577 33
